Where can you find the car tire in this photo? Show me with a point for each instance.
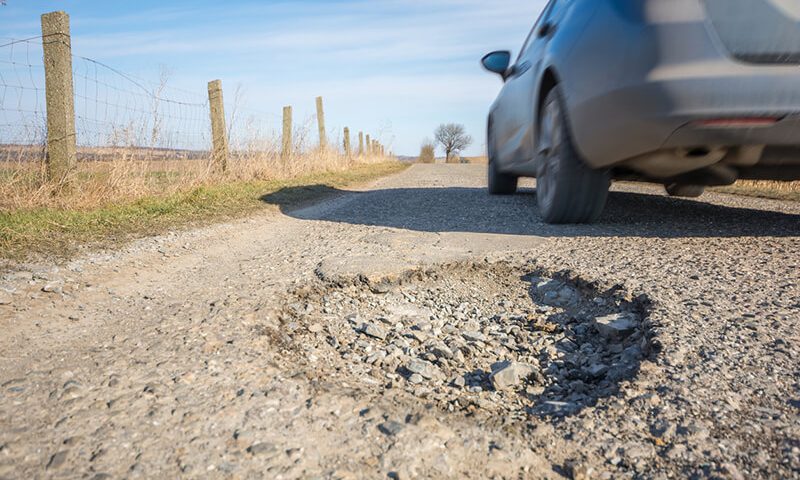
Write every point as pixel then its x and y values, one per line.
pixel 499 183
pixel 567 190
pixel 686 191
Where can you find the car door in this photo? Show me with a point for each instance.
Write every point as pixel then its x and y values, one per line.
pixel 512 119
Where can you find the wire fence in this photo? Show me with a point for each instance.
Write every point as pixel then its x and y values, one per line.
pixel 135 137
pixel 115 110
pixel 23 120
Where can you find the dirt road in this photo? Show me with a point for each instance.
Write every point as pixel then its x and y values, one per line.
pixel 417 329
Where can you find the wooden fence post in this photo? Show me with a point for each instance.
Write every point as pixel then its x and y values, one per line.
pixel 323 141
pixel 219 135
pixel 347 152
pixel 286 149
pixel 361 144
pixel 61 142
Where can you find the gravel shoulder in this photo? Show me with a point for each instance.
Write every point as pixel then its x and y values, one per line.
pixel 416 328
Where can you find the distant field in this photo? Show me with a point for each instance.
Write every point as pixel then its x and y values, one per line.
pixel 13 154
pixel 483 160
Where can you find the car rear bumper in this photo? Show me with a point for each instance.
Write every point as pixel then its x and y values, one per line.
pixel 662 110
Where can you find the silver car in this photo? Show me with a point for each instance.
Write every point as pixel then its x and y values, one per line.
pixel 687 93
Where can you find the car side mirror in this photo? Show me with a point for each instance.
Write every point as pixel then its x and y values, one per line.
pixel 497 62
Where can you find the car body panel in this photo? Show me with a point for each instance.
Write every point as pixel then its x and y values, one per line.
pixel 520 98
pixel 512 111
pixel 635 76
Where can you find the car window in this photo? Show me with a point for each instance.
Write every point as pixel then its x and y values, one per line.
pixel 532 36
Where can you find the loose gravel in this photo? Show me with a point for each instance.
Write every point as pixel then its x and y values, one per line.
pixel 487 337
pixel 418 328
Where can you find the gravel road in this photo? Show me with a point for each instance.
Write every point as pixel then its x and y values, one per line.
pixel 416 328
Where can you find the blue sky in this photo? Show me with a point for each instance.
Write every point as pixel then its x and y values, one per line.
pixel 396 68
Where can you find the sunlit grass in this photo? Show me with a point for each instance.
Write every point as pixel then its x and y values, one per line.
pixel 58 229
pixel 764 189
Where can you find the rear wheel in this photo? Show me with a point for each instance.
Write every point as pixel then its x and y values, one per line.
pixel 687 191
pixel 499 183
pixel 568 191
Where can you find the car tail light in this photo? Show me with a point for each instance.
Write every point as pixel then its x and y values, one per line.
pixel 745 122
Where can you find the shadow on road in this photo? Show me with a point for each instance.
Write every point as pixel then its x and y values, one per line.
pixel 589 366
pixel 474 210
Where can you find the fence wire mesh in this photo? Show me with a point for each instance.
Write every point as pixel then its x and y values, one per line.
pixel 139 137
pixel 23 120
pixel 115 110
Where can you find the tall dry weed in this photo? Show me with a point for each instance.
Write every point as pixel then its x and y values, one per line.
pixel 427 152
pixel 109 175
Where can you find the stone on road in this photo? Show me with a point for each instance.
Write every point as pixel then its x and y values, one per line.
pixel 373 330
pixel 616 326
pixel 511 374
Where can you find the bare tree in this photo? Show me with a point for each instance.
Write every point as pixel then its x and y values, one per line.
pixel 453 138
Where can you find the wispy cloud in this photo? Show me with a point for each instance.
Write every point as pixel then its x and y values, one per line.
pixel 411 60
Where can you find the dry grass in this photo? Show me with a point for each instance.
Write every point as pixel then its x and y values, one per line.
pixel 116 192
pixel 427 152
pixel 764 189
pixel 57 230
pixel 112 175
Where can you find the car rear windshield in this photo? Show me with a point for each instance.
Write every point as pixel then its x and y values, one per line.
pixel 758 31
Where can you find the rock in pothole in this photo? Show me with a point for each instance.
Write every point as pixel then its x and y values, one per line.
pixel 511 374
pixel 373 330
pixel 426 369
pixel 616 326
pixel 481 337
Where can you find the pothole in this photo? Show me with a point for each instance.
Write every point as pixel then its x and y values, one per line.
pixel 505 339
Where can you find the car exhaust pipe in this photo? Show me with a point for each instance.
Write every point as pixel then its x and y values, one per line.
pixel 669 163
pixel 713 175
pixel 698 152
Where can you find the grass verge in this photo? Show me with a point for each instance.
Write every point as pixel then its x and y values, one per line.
pixel 58 232
pixel 764 189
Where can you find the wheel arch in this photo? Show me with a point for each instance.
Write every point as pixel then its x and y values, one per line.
pixel 549 80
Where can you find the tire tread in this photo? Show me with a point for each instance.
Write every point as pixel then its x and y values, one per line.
pixel 499 183
pixel 581 192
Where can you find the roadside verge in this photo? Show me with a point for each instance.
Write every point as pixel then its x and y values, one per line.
pixel 763 189
pixel 59 233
